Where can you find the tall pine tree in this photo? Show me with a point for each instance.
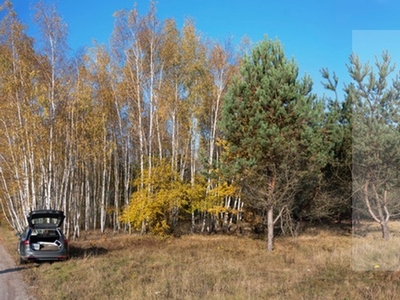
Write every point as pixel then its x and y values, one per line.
pixel 271 124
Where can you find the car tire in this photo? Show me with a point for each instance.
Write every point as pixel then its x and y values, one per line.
pixel 22 261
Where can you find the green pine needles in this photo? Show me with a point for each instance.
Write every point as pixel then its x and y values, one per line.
pixel 271 123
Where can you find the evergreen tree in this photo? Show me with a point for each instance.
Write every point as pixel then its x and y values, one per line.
pixel 272 127
pixel 375 132
pixel 332 198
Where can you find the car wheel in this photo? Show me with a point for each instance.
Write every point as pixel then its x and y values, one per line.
pixel 22 261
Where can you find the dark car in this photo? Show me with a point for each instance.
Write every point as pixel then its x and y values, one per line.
pixel 43 239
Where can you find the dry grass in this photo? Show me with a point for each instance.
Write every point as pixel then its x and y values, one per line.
pixel 370 251
pixel 316 265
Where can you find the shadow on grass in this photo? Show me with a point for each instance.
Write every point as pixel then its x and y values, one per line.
pixel 82 252
pixel 11 270
pixel 364 229
pixel 18 269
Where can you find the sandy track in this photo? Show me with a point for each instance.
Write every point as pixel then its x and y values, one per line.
pixel 12 287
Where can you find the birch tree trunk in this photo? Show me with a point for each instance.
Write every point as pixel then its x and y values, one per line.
pixel 103 186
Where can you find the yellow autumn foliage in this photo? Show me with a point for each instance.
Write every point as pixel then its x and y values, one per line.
pixel 152 204
pixel 162 193
pixel 217 196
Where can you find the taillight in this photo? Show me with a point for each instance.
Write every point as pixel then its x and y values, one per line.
pixel 26 242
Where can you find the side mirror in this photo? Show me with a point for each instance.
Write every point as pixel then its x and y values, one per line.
pixel 18 234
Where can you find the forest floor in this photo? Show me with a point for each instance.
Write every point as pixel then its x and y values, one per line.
pixel 324 262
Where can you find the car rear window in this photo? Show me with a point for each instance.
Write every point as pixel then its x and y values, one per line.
pixel 45 221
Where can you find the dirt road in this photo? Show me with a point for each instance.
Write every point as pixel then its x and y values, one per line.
pixel 12 286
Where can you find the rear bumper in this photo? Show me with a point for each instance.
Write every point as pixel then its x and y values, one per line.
pixel 44 256
pixel 33 258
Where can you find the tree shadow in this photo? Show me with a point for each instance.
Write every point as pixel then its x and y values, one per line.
pixel 16 269
pixel 363 229
pixel 82 252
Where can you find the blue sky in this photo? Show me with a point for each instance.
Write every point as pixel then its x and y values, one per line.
pixel 317 33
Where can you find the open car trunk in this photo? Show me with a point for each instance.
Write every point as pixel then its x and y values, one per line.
pixel 45 240
pixel 45 218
